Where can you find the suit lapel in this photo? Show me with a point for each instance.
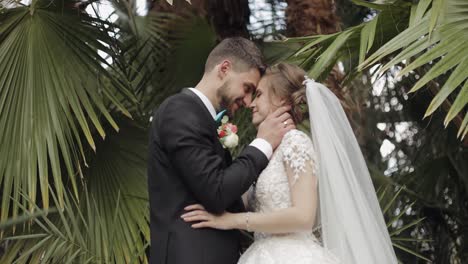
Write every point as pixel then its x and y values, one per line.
pixel 210 121
pixel 200 103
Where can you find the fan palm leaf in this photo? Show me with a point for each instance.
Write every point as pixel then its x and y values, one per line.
pixel 109 222
pixel 51 93
pixel 111 211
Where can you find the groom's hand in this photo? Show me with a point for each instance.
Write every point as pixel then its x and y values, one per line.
pixel 275 126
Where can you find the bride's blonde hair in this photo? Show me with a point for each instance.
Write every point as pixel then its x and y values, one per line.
pixel 286 81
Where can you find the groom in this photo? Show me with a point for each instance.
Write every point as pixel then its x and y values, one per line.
pixel 187 164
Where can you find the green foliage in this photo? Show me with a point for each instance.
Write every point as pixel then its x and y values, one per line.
pixel 425 33
pixel 109 221
pixel 56 91
pixel 388 201
pixel 51 93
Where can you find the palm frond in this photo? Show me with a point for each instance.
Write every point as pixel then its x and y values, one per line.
pixel 438 35
pixel 51 93
pixel 430 32
pixel 393 220
pixel 108 224
pixel 117 176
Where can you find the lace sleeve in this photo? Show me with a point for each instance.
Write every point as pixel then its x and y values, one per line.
pixel 297 150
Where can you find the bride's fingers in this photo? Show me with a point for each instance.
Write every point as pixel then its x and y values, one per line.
pixel 290 126
pixel 193 213
pixel 194 207
pixel 202 225
pixel 197 218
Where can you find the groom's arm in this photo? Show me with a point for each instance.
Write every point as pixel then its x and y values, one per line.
pixel 191 151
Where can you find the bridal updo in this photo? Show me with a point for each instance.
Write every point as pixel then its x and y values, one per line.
pixel 286 81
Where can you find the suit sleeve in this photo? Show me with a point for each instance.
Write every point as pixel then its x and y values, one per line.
pixel 192 153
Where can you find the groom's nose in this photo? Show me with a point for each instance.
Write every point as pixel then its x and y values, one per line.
pixel 247 100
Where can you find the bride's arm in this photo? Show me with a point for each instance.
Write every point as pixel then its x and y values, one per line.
pixel 300 216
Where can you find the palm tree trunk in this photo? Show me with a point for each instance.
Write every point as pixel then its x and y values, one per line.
pixel 229 17
pixel 311 17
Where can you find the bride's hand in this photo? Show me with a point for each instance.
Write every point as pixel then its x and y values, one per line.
pixel 197 213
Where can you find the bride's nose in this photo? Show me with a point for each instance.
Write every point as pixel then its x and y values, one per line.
pixel 253 104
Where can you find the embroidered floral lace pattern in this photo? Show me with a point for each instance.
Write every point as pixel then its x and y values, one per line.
pixel 296 151
pixel 271 193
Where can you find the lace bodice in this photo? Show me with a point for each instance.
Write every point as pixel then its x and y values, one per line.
pixel 272 190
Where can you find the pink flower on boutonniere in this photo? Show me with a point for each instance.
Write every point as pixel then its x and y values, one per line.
pixel 227 133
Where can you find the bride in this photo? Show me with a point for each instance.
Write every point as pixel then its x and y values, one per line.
pixel 311 183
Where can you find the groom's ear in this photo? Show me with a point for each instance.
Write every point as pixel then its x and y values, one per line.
pixel 224 67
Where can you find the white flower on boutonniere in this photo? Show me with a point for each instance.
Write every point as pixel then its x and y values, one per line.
pixel 227 133
pixel 231 141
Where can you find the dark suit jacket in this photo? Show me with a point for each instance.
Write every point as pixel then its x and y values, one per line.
pixel 186 165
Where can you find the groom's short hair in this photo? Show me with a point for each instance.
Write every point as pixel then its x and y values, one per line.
pixel 243 53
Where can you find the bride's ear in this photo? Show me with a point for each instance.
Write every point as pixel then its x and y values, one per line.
pixel 283 102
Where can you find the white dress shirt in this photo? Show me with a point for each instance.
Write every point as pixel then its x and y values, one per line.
pixel 260 143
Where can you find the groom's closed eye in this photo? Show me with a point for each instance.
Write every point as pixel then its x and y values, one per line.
pixel 249 88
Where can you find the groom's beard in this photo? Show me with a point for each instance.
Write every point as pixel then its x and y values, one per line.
pixel 225 101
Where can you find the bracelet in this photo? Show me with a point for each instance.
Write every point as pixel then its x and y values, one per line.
pixel 247 227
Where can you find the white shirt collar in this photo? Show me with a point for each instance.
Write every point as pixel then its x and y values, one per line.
pixel 205 101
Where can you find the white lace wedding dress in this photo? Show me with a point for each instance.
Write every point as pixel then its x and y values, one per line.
pixel 271 193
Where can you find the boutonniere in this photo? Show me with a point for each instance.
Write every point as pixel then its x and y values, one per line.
pixel 227 134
